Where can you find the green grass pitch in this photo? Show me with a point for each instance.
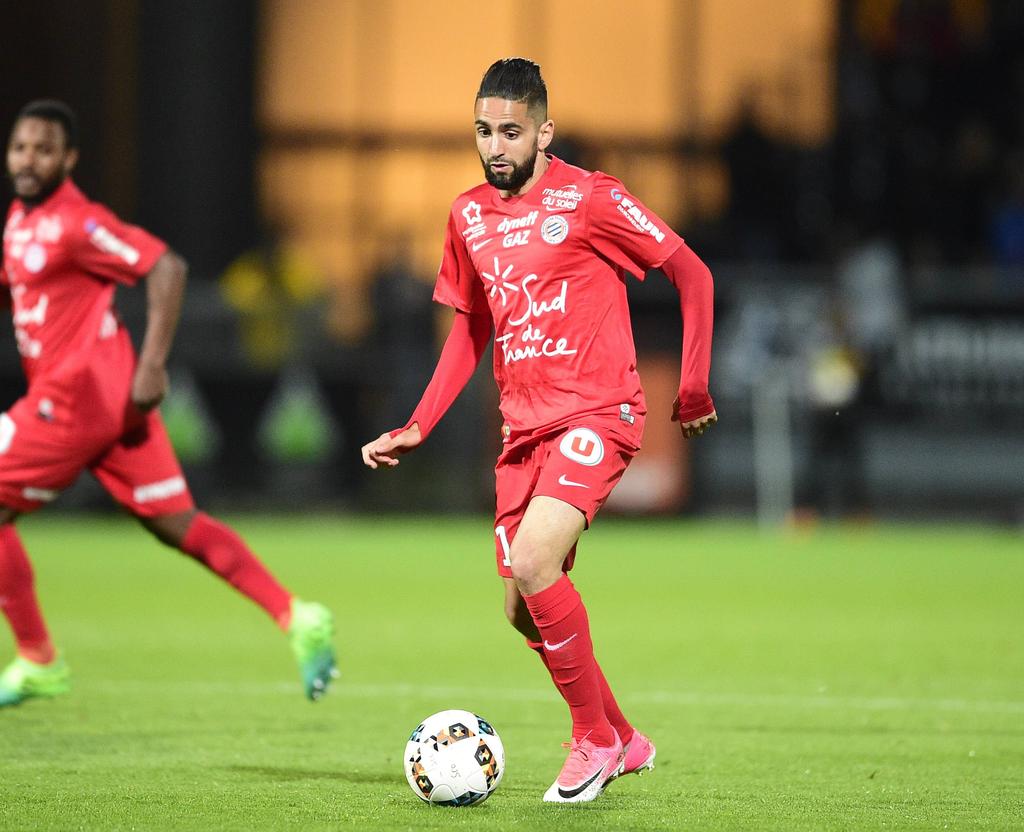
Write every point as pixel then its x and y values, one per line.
pixel 843 678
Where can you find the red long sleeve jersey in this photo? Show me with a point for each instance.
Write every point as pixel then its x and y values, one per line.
pixel 550 267
pixel 62 263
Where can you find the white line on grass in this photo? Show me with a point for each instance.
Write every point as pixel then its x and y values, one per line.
pixel 651 697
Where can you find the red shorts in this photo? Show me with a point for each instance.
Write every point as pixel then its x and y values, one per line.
pixel 579 465
pixel 40 455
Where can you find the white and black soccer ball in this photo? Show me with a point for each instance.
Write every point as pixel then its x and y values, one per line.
pixel 454 758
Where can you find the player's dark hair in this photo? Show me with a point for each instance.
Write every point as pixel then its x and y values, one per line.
pixel 516 79
pixel 49 109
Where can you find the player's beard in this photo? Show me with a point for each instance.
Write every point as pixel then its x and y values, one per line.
pixel 514 179
pixel 45 188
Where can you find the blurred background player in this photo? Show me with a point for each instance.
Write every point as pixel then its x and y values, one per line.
pixel 538 255
pixel 91 404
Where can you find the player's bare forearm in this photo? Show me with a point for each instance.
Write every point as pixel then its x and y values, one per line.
pixel 386 448
pixel 165 291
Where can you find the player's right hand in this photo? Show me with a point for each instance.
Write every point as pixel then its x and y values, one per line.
pixel 385 449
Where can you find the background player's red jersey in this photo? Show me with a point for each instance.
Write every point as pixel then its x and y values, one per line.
pixel 550 266
pixel 62 262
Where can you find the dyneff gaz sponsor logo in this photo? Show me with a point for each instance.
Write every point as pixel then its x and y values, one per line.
pixel 509 224
pixel 517 230
pixel 637 218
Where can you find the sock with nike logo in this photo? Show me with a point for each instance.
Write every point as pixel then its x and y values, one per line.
pixel 561 618
pixel 612 710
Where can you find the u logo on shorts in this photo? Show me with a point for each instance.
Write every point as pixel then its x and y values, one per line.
pixel 582 445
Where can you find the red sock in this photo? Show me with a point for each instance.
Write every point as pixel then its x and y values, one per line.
pixel 611 708
pixel 221 550
pixel 18 599
pixel 561 618
pixel 615 716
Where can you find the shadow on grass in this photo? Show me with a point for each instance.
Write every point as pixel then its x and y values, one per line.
pixel 283 774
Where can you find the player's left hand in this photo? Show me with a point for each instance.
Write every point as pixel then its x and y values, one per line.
pixel 693 427
pixel 386 448
pixel 149 386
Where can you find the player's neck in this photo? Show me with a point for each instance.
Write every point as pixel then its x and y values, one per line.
pixel 538 171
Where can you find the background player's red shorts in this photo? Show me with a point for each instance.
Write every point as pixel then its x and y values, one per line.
pixel 40 455
pixel 579 465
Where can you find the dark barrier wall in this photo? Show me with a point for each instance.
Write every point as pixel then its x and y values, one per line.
pixel 54 49
pixel 197 138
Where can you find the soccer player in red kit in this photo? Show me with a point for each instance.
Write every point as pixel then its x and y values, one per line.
pixel 92 404
pixel 539 255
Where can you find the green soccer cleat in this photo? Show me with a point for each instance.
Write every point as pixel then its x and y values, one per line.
pixel 23 680
pixel 311 632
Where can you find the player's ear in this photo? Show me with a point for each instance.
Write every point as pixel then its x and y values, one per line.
pixel 545 134
pixel 70 160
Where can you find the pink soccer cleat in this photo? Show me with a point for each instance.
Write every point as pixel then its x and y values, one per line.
pixel 639 754
pixel 587 770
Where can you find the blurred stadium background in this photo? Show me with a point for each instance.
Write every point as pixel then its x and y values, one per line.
pixel 852 171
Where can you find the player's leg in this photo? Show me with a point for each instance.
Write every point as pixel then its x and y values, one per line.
pixel 37 670
pixel 581 468
pixel 633 741
pixel 548 531
pixel 39 456
pixel 219 548
pixel 142 473
pixel 18 595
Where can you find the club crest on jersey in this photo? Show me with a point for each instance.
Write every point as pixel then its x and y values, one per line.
pixel 34 259
pixel 582 445
pixel 554 229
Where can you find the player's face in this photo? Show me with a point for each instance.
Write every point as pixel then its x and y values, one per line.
pixel 509 142
pixel 38 158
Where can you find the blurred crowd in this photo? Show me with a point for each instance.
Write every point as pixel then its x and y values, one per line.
pixel 928 147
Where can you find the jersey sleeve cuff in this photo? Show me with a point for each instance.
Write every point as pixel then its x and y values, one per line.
pixel 695 408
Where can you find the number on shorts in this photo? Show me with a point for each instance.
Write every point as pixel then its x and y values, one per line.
pixel 503 540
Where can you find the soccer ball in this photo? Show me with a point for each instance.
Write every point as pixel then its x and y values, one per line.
pixel 454 758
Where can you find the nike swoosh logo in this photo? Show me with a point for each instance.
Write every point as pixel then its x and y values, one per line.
pixel 581 787
pixel 563 481
pixel 480 245
pixel 560 644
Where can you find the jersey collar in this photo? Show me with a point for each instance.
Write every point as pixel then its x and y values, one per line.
pixel 67 191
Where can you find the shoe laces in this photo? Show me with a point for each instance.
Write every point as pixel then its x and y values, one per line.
pixel 576 747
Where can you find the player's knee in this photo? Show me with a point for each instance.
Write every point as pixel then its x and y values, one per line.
pixel 523 565
pixel 530 569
